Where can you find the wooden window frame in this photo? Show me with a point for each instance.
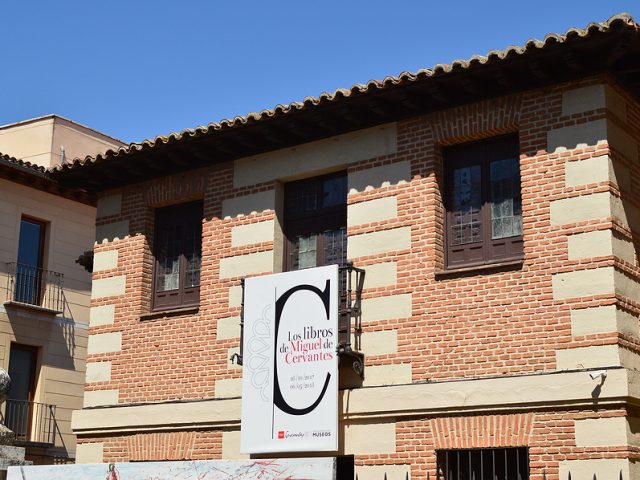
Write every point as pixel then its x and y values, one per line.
pixel 315 222
pixel 185 215
pixel 487 251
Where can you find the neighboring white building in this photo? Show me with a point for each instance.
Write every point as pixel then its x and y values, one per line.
pixel 44 308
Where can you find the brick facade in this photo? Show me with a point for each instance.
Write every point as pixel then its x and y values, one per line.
pixel 527 330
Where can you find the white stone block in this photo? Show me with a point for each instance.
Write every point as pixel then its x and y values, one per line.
pixel 382 342
pixel 577 136
pixel 228 327
pixel 104 343
pixel 374 243
pixel 601 432
pixel 102 315
pixel 584 99
pixel 112 231
pixel 377 177
pixel 386 308
pixel 100 398
pixel 235 296
pixel 381 275
pixel 252 233
pixel 590 244
pixel 371 211
pixel 249 204
pixel 105 260
pixel 583 283
pixel 109 205
pixel 606 319
pixel 369 438
pixel 229 388
pixel 244 265
pixel 108 287
pixel 98 372
pixel 579 209
pixel 90 452
pixel 589 170
pixel 392 374
pixel 231 446
pixel 588 357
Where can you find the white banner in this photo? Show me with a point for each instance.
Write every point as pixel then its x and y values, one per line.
pixel 271 469
pixel 290 373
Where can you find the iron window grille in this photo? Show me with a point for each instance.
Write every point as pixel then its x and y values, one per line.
pixel 483 464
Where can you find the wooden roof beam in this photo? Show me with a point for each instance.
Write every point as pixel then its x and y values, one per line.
pixel 541 72
pixel 380 107
pixel 572 61
pixel 438 94
pixel 620 49
pixel 502 78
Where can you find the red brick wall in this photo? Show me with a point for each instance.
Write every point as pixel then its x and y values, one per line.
pixel 463 325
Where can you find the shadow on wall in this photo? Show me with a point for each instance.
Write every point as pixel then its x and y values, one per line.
pixel 613 167
pixel 4 282
pixel 627 214
pixel 268 200
pixel 359 181
pixel 54 334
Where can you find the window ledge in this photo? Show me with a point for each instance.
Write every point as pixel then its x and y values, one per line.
pixel 474 269
pixel 170 313
pixel 29 306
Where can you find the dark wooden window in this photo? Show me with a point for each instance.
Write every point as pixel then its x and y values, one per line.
pixel 315 221
pixel 484 464
pixel 177 252
pixel 483 202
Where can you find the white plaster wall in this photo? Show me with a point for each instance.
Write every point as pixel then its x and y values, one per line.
pixel 69 233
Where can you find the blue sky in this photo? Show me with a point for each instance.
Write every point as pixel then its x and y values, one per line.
pixel 139 68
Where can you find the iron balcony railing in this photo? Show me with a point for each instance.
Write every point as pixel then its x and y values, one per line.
pixel 35 286
pixel 351 283
pixel 350 317
pixel 32 422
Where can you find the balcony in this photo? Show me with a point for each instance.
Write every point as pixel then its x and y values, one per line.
pixel 351 283
pixel 33 423
pixel 27 285
pixel 350 317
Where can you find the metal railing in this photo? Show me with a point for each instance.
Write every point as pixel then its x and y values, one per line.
pixel 35 286
pixel 594 476
pixel 350 316
pixel 32 422
pixel 484 464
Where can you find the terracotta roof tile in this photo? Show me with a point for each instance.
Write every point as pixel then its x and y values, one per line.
pixel 22 165
pixel 493 56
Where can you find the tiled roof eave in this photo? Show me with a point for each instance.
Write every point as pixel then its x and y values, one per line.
pixel 38 177
pixel 369 90
pixel 27 167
